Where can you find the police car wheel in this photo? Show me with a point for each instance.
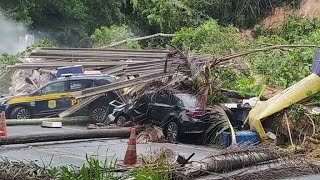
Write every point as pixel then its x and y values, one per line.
pixel 98 114
pixel 20 113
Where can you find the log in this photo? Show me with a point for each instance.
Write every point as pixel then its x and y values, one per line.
pixel 62 136
pixel 229 162
pixel 66 120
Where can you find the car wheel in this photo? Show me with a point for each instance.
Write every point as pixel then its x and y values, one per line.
pixel 121 120
pixel 172 131
pixel 98 114
pixel 20 113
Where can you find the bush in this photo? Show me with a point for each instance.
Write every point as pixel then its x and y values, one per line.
pixel 104 36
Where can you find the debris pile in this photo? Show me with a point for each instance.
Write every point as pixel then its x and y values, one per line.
pixel 19 85
pixel 150 134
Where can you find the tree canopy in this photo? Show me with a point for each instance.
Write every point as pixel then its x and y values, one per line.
pixel 67 22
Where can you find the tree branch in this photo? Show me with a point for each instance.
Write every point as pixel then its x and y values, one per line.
pixel 245 53
pixel 138 39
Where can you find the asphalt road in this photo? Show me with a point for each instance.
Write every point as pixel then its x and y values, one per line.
pixel 74 152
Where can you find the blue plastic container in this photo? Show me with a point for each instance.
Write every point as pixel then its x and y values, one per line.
pixel 249 138
pixel 75 70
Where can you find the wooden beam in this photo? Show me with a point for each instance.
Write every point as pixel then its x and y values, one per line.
pixel 67 120
pixel 78 106
pixel 62 136
pixel 119 85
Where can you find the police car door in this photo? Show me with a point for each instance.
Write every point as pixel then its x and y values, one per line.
pixel 52 99
pixel 78 85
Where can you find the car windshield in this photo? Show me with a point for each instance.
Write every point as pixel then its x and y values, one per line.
pixel 188 100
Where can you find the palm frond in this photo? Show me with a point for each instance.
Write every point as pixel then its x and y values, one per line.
pixel 219 123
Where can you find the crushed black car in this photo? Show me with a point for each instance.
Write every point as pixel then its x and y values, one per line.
pixel 177 113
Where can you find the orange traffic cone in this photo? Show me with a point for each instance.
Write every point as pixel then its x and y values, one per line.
pixel 131 154
pixel 3 125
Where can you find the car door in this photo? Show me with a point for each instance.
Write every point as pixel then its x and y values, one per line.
pixel 78 85
pixel 162 104
pixel 52 99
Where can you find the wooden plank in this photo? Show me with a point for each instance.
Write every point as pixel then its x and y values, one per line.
pixel 115 69
pixel 106 49
pixel 118 85
pixel 78 106
pixel 84 64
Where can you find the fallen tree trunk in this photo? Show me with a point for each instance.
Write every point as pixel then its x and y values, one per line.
pixel 62 136
pixel 66 120
pixel 229 161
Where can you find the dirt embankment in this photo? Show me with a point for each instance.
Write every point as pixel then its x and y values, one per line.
pixel 307 9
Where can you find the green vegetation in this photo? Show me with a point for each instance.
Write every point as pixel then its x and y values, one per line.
pixel 92 169
pixel 6 59
pixel 278 67
pixel 68 22
pixel 104 36
pixel 160 170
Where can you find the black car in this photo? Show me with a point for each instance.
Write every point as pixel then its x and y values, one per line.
pixel 178 114
pixel 57 96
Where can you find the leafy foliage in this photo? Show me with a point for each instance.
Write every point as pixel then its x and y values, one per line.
pixel 65 22
pixel 159 170
pixel 165 14
pixel 105 36
pixel 296 112
pixel 285 67
pixel 282 67
pixel 208 38
pixel 6 59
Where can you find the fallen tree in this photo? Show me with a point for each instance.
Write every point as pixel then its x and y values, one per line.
pixel 70 135
pixel 229 161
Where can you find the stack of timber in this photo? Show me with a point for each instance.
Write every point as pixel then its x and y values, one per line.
pixel 110 61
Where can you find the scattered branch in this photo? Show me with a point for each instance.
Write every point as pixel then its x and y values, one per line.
pixel 289 131
pixel 313 124
pixel 245 53
pixel 138 39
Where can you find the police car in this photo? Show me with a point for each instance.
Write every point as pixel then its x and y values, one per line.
pixel 57 96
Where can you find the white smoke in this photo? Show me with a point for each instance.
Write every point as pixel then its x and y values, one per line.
pixel 10 33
